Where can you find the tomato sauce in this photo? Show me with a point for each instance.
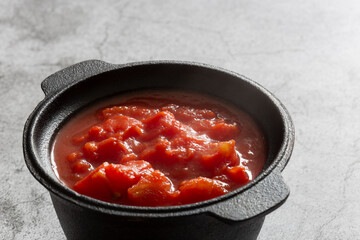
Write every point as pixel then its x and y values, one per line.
pixel 158 148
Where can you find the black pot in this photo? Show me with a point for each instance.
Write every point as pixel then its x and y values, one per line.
pixel 236 215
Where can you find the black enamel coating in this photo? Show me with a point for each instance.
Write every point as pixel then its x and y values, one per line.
pixel 236 215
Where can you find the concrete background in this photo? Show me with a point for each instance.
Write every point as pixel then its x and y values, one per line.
pixel 307 52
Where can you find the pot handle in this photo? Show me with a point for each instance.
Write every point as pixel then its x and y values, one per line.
pixel 262 198
pixel 73 74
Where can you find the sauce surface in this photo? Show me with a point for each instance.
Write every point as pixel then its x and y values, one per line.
pixel 158 149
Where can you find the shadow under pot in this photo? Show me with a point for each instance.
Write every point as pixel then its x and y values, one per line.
pixel 238 214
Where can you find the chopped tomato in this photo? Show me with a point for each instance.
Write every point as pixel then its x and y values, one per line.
pixel 110 181
pixel 220 155
pixel 162 124
pixel 95 184
pixel 109 150
pixel 200 189
pixel 238 174
pixel 82 166
pixel 159 150
pixel 154 189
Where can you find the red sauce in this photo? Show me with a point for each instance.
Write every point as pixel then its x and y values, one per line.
pixel 158 149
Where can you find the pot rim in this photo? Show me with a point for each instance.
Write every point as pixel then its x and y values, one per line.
pixel 57 188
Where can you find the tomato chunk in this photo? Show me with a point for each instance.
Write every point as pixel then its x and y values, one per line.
pixel 109 150
pixel 200 189
pixel 110 181
pixel 95 184
pixel 223 131
pixel 121 177
pixel 82 166
pixel 120 123
pixel 152 190
pixel 137 112
pixel 163 124
pixel 220 155
pixel 96 133
pixel 238 174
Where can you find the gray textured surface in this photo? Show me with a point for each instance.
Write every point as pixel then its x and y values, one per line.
pixel 306 52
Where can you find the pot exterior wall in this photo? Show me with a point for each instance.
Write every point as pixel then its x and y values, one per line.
pixel 80 223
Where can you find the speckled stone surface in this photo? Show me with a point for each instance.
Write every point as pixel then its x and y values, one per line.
pixel 306 52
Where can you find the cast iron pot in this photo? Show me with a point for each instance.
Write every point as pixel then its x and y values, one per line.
pixel 236 215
